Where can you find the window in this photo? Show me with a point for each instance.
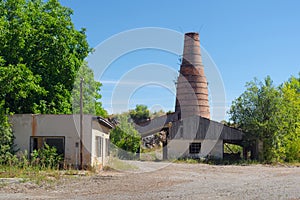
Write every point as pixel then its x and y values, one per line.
pixel 107 147
pixel 195 148
pixel 37 142
pixel 99 144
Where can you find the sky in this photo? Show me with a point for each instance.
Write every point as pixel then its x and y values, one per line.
pixel 241 40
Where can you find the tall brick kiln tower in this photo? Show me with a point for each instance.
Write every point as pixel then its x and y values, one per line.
pixel 192 91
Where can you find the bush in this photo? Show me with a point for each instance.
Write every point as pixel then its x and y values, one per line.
pixel 6 137
pixel 46 157
pixel 126 138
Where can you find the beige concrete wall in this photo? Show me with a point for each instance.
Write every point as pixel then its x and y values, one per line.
pixel 178 148
pixel 22 128
pixel 217 148
pixel 26 125
pixel 101 161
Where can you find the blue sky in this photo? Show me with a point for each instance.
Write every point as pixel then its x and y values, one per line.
pixel 245 39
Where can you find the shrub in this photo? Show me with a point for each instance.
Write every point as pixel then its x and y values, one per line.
pixel 46 157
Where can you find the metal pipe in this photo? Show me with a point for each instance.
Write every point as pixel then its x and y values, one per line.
pixel 81 123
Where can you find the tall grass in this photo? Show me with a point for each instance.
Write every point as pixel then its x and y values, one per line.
pixel 41 166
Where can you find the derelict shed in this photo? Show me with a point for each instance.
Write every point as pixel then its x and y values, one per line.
pixel 187 137
pixel 62 131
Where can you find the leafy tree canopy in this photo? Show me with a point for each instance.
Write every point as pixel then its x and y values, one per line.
pixel 288 122
pixel 38 38
pixel 19 87
pixel 140 113
pixel 271 114
pixel 125 136
pixel 91 93
pixel 6 136
pixel 157 114
pixel 41 53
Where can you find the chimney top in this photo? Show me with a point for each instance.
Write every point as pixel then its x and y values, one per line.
pixel 193 35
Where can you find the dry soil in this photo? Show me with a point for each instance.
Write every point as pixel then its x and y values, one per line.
pixel 160 180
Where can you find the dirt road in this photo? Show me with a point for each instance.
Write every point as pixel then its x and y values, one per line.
pixel 159 180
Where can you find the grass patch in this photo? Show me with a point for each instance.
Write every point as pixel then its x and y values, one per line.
pixel 120 165
pixel 186 160
pixel 214 161
pixel 37 175
pixel 33 174
pixel 295 164
pixel 151 154
pixel 230 162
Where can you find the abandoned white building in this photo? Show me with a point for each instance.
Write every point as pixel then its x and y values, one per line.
pixel 31 131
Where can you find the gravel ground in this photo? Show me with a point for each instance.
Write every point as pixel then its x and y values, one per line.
pixel 160 180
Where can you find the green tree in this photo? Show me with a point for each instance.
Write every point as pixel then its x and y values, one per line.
pixel 125 136
pixel 18 87
pixel 6 135
pixel 157 114
pixel 91 93
pixel 271 114
pixel 140 113
pixel 40 55
pixel 40 36
pixel 254 112
pixel 288 122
